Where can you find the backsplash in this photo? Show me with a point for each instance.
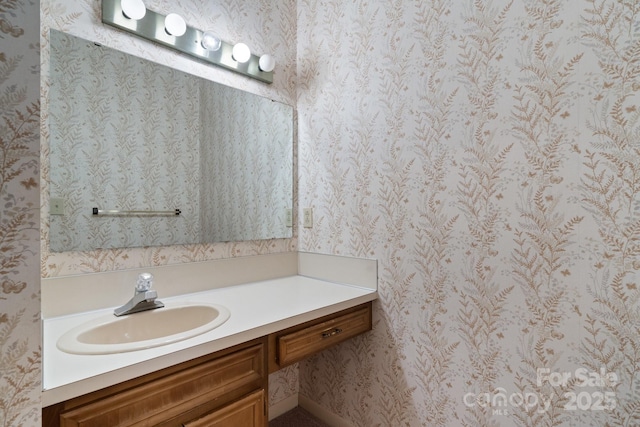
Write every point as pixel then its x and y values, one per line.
pixel 486 153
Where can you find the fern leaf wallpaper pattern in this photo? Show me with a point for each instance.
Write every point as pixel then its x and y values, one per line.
pixel 20 351
pixel 485 152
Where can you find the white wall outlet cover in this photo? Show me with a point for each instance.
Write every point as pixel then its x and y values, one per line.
pixel 56 206
pixel 307 217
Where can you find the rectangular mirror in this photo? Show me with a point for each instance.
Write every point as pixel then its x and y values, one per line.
pixel 131 135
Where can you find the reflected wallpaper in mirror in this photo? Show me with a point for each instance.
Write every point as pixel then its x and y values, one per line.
pixel 130 134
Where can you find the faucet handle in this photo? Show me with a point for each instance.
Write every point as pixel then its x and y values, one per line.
pixel 144 283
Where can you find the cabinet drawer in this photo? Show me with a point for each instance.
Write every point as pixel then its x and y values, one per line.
pixel 178 396
pixel 296 345
pixel 246 412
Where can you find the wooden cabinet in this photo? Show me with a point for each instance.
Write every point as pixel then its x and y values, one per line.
pixel 228 385
pixel 224 389
pixel 296 343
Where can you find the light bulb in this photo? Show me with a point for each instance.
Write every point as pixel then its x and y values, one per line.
pixel 267 63
pixel 174 25
pixel 133 9
pixel 241 53
pixel 210 41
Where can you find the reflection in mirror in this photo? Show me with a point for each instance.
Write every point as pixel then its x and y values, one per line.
pixel 130 134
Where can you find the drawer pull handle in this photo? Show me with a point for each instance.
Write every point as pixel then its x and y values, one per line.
pixel 331 332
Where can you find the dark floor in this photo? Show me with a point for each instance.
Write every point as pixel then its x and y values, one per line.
pixel 296 417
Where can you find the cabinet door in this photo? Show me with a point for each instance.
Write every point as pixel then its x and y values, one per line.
pixel 180 396
pixel 246 412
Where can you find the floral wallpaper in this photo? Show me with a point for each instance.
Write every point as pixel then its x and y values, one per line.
pixel 20 353
pixel 486 153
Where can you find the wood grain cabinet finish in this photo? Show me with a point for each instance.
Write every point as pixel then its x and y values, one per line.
pixel 175 397
pixel 246 412
pixel 296 343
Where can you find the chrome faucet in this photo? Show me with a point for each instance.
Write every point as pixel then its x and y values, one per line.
pixel 143 297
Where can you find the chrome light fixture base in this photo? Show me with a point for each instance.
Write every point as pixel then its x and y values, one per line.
pixel 152 27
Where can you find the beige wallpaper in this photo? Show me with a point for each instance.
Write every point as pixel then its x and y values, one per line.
pixel 486 153
pixel 20 354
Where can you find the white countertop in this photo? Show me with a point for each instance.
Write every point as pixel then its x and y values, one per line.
pixel 257 309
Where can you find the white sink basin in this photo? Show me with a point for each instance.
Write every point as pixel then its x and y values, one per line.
pixel 110 334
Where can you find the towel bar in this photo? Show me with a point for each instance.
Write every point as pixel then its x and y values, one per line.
pixel 97 211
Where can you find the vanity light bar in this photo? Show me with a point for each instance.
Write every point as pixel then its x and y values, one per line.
pixel 152 27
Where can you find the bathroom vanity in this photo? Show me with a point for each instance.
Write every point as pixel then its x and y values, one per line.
pixel 225 388
pixel 218 378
